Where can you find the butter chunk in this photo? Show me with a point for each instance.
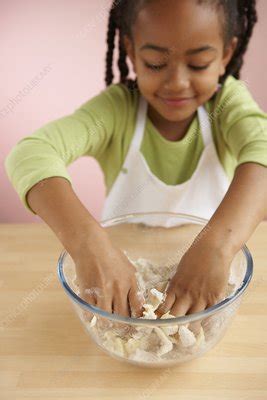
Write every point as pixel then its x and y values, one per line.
pixel 149 312
pixel 155 298
pixel 186 336
pixel 114 343
pixel 169 330
pixel 93 322
pixel 165 344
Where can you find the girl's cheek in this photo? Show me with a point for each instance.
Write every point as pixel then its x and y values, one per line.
pixel 148 81
pixel 206 84
pixel 204 87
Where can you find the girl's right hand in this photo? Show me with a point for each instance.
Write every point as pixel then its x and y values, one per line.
pixel 106 278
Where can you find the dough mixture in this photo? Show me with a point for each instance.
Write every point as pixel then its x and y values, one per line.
pixel 148 344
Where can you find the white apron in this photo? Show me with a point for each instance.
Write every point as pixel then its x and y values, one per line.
pixel 136 189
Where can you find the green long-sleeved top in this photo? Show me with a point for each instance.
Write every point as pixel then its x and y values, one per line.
pixel 103 128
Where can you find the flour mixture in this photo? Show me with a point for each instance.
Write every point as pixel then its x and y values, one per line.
pixel 155 344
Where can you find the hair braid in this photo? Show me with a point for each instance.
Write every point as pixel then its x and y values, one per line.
pixel 122 63
pixel 115 24
pixel 247 20
pixel 111 45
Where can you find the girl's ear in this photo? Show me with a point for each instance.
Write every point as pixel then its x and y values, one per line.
pixel 129 47
pixel 228 54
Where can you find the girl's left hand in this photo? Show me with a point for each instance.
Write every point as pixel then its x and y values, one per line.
pixel 200 280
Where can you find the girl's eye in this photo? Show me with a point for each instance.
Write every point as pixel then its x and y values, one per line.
pixel 155 67
pixel 199 68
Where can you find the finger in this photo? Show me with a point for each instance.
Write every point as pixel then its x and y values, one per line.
pixel 136 301
pixel 92 301
pixel 86 316
pixel 166 305
pixel 105 303
pixel 198 306
pixel 121 305
pixel 92 293
pixel 195 326
pixel 180 306
pixel 216 299
pixel 89 297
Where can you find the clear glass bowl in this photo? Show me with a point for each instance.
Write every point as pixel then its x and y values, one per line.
pixel 161 239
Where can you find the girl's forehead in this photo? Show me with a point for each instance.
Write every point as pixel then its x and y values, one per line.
pixel 182 26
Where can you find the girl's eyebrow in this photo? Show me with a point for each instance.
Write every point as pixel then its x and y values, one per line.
pixel 189 52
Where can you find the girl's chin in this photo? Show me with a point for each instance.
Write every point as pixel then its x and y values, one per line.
pixel 176 115
pixel 175 112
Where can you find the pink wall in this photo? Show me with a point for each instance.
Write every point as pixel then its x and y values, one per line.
pixel 62 42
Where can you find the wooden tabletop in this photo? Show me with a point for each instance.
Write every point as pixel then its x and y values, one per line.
pixel 45 353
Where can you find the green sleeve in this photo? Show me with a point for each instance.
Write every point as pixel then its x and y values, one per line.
pixel 50 149
pixel 243 124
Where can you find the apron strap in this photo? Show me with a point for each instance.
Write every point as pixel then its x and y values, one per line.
pixel 205 125
pixel 139 130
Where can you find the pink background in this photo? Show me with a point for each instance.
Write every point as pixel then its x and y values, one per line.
pixel 70 36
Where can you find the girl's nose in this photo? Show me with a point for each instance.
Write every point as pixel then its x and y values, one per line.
pixel 177 79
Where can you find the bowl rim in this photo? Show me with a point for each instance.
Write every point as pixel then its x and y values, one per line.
pixel 168 321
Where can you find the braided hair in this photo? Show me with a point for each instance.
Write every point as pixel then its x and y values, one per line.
pixel 240 17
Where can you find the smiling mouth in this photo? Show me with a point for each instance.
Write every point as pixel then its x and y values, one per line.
pixel 176 102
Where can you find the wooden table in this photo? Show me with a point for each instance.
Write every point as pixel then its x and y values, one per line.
pixel 46 354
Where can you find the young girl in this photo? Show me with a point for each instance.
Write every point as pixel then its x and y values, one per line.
pixel 185 136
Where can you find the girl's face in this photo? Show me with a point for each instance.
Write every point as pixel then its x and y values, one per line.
pixel 178 52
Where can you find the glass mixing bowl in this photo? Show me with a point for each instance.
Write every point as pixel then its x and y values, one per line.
pixel 157 241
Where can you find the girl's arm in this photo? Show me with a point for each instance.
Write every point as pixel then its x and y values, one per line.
pixel 55 201
pixel 202 277
pixel 241 211
pixel 99 264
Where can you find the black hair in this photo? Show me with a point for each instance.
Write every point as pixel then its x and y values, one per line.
pixel 240 17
